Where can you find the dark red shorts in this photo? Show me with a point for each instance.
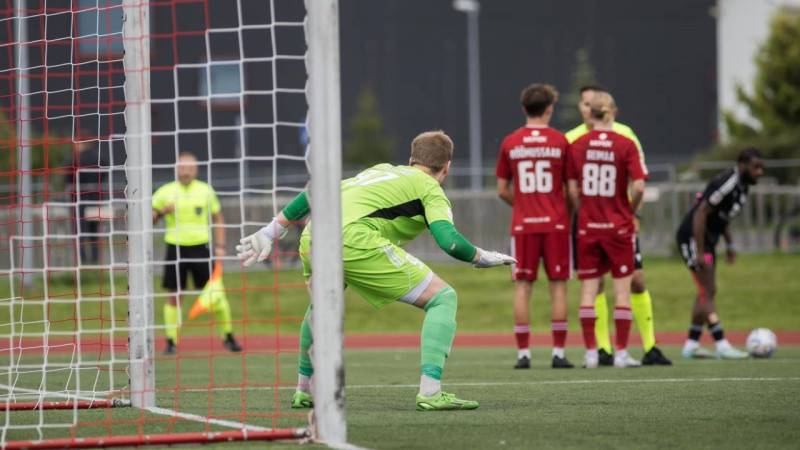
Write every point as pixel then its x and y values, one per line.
pixel 600 252
pixel 553 248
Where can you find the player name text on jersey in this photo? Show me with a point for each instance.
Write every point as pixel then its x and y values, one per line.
pixel 599 155
pixel 534 152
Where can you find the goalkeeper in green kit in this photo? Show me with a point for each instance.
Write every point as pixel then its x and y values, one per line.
pixel 383 208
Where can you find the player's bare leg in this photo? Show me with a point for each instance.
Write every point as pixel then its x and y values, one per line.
pixel 522 319
pixel 558 323
pixel 622 322
pixel 704 311
pixel 588 317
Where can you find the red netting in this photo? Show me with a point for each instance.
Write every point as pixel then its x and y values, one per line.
pixel 228 85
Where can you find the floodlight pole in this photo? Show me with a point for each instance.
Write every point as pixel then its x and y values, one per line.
pixel 24 139
pixel 472 9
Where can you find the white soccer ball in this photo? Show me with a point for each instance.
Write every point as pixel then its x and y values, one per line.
pixel 761 343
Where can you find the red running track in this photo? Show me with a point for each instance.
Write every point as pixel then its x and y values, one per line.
pixel 290 343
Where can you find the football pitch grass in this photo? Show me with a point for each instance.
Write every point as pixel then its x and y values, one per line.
pixel 692 404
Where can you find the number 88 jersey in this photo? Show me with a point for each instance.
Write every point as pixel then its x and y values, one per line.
pixel 603 162
pixel 535 157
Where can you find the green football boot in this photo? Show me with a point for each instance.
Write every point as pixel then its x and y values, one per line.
pixel 443 401
pixel 301 399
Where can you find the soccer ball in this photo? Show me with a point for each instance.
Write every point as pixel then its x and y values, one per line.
pixel 761 343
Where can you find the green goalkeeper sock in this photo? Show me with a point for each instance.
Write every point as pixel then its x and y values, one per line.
pixel 438 331
pixel 171 322
pixel 601 324
pixel 305 344
pixel 222 315
pixel 642 307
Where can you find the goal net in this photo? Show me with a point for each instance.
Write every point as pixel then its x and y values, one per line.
pixel 99 102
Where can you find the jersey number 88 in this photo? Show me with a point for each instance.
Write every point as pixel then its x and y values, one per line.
pixel 599 180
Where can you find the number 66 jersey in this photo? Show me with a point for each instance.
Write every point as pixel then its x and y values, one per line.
pixel 535 157
pixel 603 162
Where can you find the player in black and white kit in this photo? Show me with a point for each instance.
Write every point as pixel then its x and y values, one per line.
pixel 697 237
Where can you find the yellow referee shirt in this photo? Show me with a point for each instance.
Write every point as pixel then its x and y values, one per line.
pixel 189 223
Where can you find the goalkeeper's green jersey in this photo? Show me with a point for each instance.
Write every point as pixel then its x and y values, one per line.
pixel 619 128
pixel 389 204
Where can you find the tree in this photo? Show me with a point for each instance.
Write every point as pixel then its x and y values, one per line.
pixel 775 102
pixel 367 144
pixel 582 74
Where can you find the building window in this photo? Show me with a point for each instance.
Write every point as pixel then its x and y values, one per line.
pixel 225 84
pixel 99 28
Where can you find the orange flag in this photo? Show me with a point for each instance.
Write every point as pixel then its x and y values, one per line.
pixel 213 293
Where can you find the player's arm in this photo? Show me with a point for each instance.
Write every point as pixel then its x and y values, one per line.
pixel 504 190
pixel 161 206
pixel 637 195
pixel 256 247
pixel 573 197
pixel 503 172
pixel 730 247
pixel 219 233
pixel 457 246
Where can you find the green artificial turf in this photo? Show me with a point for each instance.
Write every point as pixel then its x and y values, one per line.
pixel 692 404
pixel 759 291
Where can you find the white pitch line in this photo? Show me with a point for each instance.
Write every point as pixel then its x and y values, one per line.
pixel 522 383
pixel 155 410
pixel 203 419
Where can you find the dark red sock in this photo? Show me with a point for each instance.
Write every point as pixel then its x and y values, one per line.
pixel 522 331
pixel 622 322
pixel 588 316
pixel 559 329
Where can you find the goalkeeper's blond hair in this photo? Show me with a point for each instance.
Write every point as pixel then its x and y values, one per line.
pixel 432 149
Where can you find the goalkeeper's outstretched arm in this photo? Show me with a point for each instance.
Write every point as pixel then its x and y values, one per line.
pixel 457 246
pixel 256 247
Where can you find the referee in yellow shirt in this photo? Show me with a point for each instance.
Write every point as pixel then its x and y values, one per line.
pixel 641 303
pixel 186 205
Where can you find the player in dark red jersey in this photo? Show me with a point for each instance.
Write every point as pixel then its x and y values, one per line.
pixel 600 165
pixel 697 237
pixel 534 158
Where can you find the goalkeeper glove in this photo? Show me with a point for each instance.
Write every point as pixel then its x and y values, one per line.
pixel 256 247
pixel 491 259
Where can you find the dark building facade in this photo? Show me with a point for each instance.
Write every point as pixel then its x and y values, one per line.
pixel 657 58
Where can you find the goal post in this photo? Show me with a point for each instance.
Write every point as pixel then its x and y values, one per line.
pixel 324 127
pixel 141 316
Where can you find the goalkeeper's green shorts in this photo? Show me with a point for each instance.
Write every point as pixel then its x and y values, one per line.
pixel 380 275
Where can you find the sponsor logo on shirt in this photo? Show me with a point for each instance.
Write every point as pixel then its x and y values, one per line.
pixel 600 226
pixel 535 137
pixel 536 219
pixel 599 143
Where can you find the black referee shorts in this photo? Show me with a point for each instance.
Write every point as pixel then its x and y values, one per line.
pixel 637 255
pixel 183 259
